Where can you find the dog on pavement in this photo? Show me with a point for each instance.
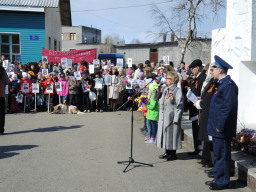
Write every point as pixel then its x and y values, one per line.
pixel 66 109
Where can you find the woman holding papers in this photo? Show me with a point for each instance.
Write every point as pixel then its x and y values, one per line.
pixel 169 123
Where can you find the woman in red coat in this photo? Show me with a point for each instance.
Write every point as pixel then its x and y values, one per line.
pixel 49 86
pixel 26 90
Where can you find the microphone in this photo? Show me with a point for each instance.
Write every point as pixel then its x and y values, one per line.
pixel 161 84
pixel 153 76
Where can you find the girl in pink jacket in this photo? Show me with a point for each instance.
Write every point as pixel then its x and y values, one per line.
pixel 64 85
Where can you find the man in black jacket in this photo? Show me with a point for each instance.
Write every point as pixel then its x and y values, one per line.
pixel 196 86
pixel 3 82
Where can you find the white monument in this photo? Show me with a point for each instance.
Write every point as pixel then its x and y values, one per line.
pixel 236 44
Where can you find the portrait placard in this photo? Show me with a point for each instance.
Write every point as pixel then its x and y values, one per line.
pixel 129 62
pixel 98 83
pixel 11 67
pixel 19 98
pixel 166 60
pixel 18 58
pixel 129 84
pixel 119 62
pixel 35 88
pixel 44 72
pixel 58 86
pixel 64 62
pixel 69 63
pixel 91 69
pixel 77 75
pixel 96 61
pixel 107 79
pixel 44 59
pixel 85 87
pixel 49 88
pixel 25 88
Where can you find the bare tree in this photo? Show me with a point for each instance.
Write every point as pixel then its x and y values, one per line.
pixel 113 39
pixel 136 41
pixel 182 18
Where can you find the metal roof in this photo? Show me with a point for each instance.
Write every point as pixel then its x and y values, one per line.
pixel 30 3
pixel 104 55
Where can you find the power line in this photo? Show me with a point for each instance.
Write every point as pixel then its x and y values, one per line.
pixel 132 6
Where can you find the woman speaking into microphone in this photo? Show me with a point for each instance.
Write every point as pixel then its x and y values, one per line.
pixel 169 123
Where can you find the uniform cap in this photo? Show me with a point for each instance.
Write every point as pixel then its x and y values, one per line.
pixel 221 63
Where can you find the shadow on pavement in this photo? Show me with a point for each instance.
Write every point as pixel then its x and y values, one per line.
pixel 236 184
pixel 5 151
pixel 48 129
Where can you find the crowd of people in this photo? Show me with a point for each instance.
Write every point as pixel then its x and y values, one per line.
pixel 213 115
pixel 161 94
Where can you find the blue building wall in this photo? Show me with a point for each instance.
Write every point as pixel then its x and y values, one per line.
pixel 26 24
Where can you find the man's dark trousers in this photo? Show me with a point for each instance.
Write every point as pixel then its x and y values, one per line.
pixel 2 114
pixel 195 130
pixel 222 160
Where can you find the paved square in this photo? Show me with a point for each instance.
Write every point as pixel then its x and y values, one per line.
pixel 69 153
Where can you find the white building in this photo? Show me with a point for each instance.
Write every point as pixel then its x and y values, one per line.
pixel 236 44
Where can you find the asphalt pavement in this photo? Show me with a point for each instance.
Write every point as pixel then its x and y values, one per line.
pixel 44 152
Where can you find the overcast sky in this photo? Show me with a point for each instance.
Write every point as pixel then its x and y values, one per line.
pixel 133 22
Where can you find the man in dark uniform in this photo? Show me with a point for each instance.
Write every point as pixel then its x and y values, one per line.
pixel 3 82
pixel 222 123
pixel 196 86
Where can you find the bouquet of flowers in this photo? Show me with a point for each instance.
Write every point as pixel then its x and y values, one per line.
pixel 245 140
pixel 142 100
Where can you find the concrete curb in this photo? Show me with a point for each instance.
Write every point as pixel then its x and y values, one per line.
pixel 244 164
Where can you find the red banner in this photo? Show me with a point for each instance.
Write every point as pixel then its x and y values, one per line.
pixel 76 55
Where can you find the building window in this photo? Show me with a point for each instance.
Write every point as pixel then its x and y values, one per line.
pixel 55 45
pixel 153 50
pixel 10 45
pixel 62 36
pixel 50 43
pixel 59 45
pixel 72 36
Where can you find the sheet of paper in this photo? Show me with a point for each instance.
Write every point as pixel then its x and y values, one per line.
pixel 191 96
pixel 193 118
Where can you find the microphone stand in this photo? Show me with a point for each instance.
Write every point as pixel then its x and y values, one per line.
pixel 131 160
